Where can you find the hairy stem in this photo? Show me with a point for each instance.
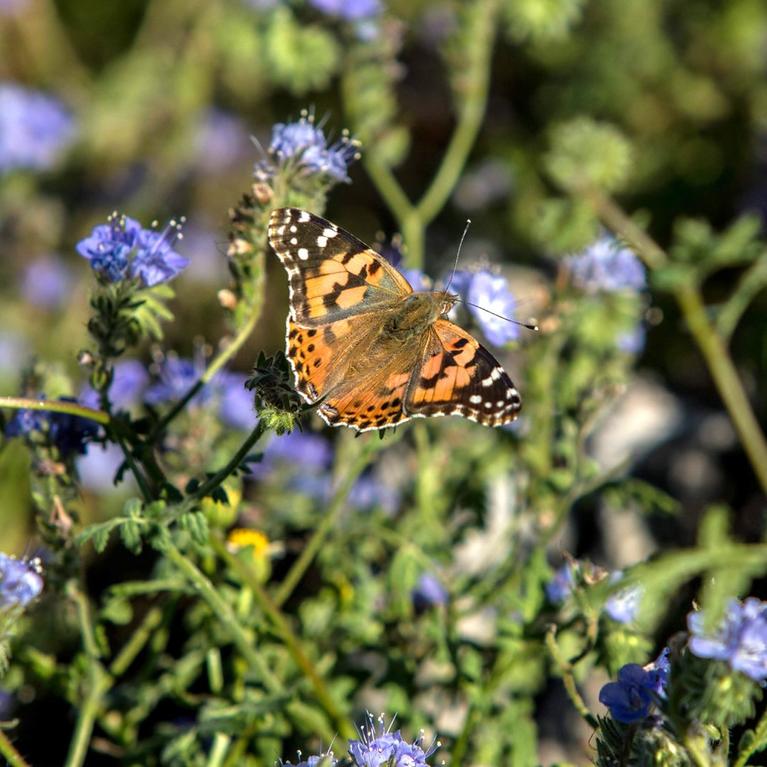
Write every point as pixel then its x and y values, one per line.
pixel 707 337
pixel 12 756
pixel 55 406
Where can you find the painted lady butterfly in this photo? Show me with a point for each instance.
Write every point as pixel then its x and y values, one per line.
pixel 376 352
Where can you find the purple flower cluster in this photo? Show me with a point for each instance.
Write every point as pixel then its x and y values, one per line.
pixel 302 147
pixel 378 746
pixel 606 265
pixel 637 689
pixel 129 380
pixel 487 292
pixel 122 249
pixel 351 10
pixel 20 581
pixel 559 588
pixel 429 592
pixel 34 129
pixel 68 433
pixel 176 375
pixel 740 639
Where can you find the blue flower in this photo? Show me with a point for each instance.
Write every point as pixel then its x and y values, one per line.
pixel 176 376
pixel 379 747
pixel 624 605
pixel 122 248
pixel 489 291
pixel 302 145
pixel 108 246
pixel 740 639
pixel 155 260
pixel 561 585
pixel 429 592
pixel 46 283
pixel 221 141
pixel 97 469
pixel 20 582
pixel 309 451
pixel 34 128
pixel 351 10
pixel 369 492
pixel 606 265
pixel 129 380
pixel 68 433
pixel 632 696
pixel 235 401
pixel 318 760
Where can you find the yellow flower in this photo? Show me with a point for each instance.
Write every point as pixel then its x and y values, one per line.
pixel 241 537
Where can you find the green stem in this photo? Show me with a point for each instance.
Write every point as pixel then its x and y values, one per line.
pixel 215 365
pixel 137 642
pixel 462 741
pixel 211 484
pixel 226 616
pixel 758 742
pixel 566 670
pixel 329 520
pixel 97 682
pixel 288 636
pixel 709 341
pixel 218 750
pixel 55 406
pixel 12 756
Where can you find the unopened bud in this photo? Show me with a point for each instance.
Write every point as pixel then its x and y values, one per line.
pixel 227 299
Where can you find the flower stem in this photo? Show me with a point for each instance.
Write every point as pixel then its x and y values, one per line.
pixel 707 337
pixel 757 743
pixel 288 636
pixel 329 520
pixel 224 613
pixel 55 406
pixel 211 484
pixel 12 756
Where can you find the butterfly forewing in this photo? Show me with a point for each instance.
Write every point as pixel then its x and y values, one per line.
pixel 331 274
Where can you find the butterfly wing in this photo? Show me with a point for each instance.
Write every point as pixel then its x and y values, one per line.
pixel 458 376
pixel 331 274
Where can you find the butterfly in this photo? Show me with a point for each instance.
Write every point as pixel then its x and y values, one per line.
pixel 373 350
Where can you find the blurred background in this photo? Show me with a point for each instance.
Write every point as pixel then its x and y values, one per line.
pixel 158 108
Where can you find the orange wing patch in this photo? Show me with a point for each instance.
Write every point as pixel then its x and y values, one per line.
pixel 365 409
pixel 458 376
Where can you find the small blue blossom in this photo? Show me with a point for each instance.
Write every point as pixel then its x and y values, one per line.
pixel 302 145
pixel 351 10
pixel 559 588
pixel 97 469
pixel 623 606
pixel 491 292
pixel 46 283
pixel 429 592
pixel 122 248
pixel 68 433
pixel 317 760
pixel 129 380
pixel 631 697
pixel 221 141
pixel 20 581
pixel 235 401
pixel 34 128
pixel 740 639
pixel 310 451
pixel 607 265
pixel 369 492
pixel 380 747
pixel 176 375
pixel 155 260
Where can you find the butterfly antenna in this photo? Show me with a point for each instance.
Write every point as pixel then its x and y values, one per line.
pixel 458 254
pixel 528 325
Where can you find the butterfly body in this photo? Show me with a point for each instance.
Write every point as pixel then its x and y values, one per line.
pixel 373 350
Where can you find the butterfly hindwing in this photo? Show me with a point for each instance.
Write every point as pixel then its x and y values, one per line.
pixel 331 273
pixel 458 376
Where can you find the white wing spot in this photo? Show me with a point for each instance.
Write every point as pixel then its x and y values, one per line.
pixel 294 241
pixel 280 230
pixel 329 233
pixel 475 399
pixel 303 254
pixel 322 241
pixel 293 228
pixel 304 217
